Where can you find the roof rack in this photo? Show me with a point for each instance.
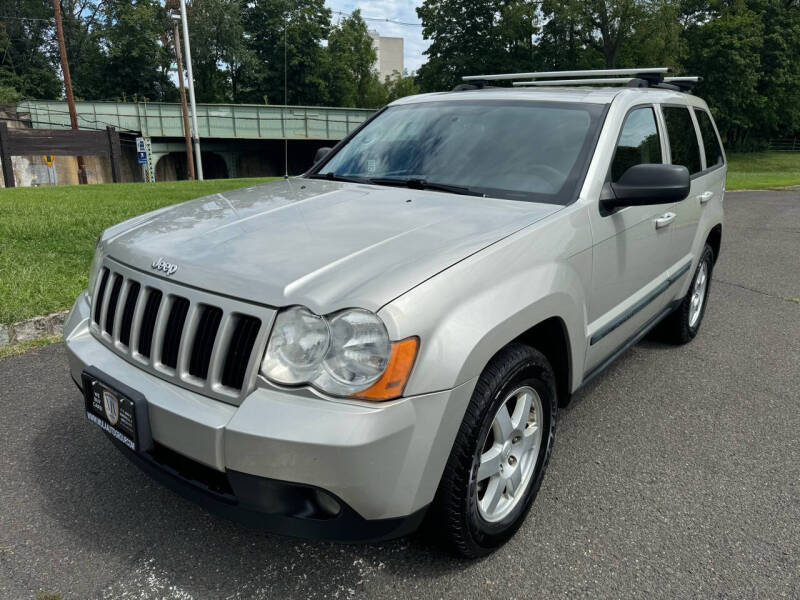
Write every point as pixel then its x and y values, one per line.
pixel 641 77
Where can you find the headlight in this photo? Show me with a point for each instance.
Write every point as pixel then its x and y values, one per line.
pixel 344 354
pixel 94 269
pixel 298 344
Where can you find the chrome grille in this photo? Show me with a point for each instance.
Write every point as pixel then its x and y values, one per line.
pixel 203 342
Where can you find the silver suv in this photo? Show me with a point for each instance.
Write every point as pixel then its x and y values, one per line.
pixel 390 335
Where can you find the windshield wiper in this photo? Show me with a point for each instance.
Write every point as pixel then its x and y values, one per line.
pixel 411 183
pixel 424 184
pixel 334 177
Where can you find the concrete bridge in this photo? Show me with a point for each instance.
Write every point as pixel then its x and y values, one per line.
pixel 237 140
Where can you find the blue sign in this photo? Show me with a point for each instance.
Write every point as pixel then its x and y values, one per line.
pixel 141 157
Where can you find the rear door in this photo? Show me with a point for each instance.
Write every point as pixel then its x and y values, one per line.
pixel 684 149
pixel 712 179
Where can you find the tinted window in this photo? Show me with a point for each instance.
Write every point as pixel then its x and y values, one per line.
pixel 682 138
pixel 638 143
pixel 711 143
pixel 523 150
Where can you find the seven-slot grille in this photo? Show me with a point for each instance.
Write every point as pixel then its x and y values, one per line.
pixel 202 343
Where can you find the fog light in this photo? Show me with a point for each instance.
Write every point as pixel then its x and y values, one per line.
pixel 327 503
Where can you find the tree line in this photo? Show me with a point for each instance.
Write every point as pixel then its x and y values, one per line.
pixel 748 51
pixel 123 50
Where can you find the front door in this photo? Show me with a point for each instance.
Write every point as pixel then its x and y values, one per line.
pixel 632 248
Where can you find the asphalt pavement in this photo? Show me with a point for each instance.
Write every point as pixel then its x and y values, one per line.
pixel 676 474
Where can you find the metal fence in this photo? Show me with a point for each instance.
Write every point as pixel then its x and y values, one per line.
pixel 230 121
pixel 785 144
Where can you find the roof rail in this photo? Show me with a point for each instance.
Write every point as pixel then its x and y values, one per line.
pixel 687 82
pixel 684 84
pixel 641 77
pixel 588 81
pixel 567 74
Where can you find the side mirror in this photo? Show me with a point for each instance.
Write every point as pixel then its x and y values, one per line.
pixel 647 184
pixel 321 153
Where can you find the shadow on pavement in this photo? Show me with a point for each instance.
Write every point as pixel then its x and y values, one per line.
pixel 151 538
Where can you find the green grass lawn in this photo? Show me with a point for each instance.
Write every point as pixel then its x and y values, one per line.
pixel 47 235
pixel 763 170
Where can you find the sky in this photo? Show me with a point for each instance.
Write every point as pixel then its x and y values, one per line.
pixel 398 11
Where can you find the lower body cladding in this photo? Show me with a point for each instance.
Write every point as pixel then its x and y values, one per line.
pixel 294 464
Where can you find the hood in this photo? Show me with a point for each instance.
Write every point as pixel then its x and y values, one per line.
pixel 323 244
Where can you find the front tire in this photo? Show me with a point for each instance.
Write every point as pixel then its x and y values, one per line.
pixel 682 325
pixel 500 454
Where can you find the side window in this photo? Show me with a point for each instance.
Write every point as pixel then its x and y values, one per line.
pixel 638 143
pixel 710 140
pixel 682 138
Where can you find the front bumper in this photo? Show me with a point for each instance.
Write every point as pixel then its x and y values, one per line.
pixel 381 463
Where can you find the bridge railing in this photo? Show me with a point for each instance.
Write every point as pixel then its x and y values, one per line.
pixel 242 121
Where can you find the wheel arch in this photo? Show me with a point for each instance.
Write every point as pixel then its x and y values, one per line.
pixel 552 325
pixel 551 338
pixel 714 239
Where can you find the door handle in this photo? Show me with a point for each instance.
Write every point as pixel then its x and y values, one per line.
pixel 705 197
pixel 665 219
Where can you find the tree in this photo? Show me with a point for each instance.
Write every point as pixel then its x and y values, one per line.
pixel 84 28
pixel 780 68
pixel 136 59
pixel 517 27
pixel 27 69
pixel 465 40
pixel 220 53
pixel 658 39
pixel 725 50
pixel 601 25
pixel 562 45
pixel 400 86
pixel 305 23
pixel 352 79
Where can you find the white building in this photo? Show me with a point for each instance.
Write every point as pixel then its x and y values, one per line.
pixel 389 54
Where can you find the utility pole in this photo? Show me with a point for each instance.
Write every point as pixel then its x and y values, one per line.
pixel 186 131
pixel 73 116
pixel 285 100
pixel 197 156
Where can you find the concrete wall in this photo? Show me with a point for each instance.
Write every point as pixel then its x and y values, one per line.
pixel 32 171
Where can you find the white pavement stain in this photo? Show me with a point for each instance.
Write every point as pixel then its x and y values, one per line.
pixel 288 579
pixel 147 582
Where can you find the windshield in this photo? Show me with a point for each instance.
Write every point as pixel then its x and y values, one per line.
pixel 522 150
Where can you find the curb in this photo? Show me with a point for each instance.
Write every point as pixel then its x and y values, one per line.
pixel 32 329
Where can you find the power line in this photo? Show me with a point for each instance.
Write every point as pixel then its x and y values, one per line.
pixel 3 18
pixel 380 19
pixel 336 12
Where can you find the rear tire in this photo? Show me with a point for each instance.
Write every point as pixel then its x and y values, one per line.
pixel 500 454
pixel 683 324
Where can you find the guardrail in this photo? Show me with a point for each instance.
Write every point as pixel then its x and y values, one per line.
pixel 238 121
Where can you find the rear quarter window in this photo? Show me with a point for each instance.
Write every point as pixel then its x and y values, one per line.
pixel 711 145
pixel 682 138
